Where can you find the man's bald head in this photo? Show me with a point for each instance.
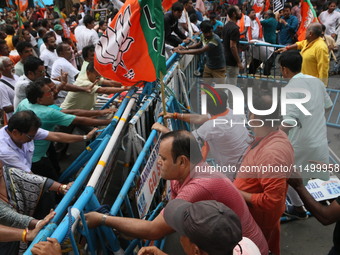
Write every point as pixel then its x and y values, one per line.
pixel 270 14
pixel 262 101
pixel 184 143
pixel 315 29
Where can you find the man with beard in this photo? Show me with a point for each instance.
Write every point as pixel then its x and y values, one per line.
pixel 287 26
pixel 231 37
pixel 49 55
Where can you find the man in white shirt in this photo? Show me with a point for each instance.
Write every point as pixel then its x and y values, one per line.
pixel 309 137
pixel 255 30
pixel 58 31
pixel 86 35
pixel 225 142
pixel 183 20
pixel 330 18
pixel 17 139
pixel 61 65
pixel 7 81
pixel 49 55
pixel 34 68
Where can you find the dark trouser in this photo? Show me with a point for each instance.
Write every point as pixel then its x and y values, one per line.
pixel 9 248
pixel 269 64
pixel 61 148
pixel 255 63
pixel 47 200
pixel 53 157
pixel 173 40
pixel 333 252
pixel 44 167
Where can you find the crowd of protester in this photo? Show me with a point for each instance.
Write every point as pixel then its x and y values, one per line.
pixel 49 86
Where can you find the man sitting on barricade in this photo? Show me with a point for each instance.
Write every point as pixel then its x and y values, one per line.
pixel 192 180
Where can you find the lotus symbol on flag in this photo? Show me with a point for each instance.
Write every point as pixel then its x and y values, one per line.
pixel 309 19
pixel 112 45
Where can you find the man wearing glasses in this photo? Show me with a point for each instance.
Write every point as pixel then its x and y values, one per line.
pixel 17 140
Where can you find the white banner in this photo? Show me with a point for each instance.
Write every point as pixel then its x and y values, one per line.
pixel 324 190
pixel 149 181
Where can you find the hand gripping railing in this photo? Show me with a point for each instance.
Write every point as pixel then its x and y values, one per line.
pixel 92 158
pixel 61 208
pixel 63 228
pixel 90 149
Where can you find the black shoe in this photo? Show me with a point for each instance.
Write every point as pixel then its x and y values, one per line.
pixel 293 213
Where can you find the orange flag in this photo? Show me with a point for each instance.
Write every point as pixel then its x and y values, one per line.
pixel 22 5
pixel 66 29
pixel 132 48
pixel 258 5
pixel 308 16
pixel 167 4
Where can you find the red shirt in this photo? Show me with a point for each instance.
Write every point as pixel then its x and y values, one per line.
pixel 205 186
pixel 268 189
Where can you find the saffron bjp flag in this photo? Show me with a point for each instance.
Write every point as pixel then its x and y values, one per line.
pixel 258 5
pixel 66 30
pixel 308 16
pixel 167 4
pixel 94 3
pixel 22 5
pixel 132 47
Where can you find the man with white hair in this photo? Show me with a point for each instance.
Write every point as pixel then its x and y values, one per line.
pixel 7 81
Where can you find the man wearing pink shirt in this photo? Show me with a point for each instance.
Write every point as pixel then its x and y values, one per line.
pixel 180 161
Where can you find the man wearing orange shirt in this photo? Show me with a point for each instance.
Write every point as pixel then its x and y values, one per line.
pixel 262 177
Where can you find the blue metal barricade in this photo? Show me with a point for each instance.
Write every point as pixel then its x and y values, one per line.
pixel 64 223
pixel 333 117
pixel 259 59
pixel 90 156
pixel 90 149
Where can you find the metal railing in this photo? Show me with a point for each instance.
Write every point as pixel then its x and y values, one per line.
pixel 91 155
pixel 101 153
pixel 259 59
pixel 333 117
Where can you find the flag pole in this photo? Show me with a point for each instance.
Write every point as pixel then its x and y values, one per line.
pixel 18 12
pixel 163 97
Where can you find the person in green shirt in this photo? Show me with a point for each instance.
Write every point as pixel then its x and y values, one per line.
pixel 269 25
pixel 39 97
